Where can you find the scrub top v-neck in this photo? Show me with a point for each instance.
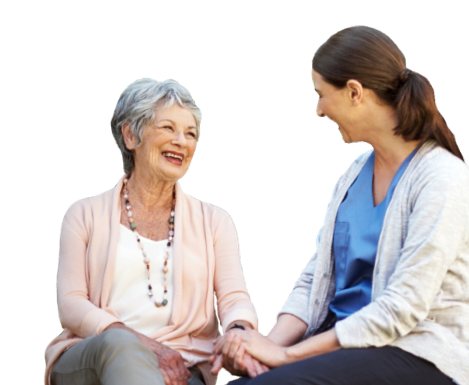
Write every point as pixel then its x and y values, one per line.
pixel 356 235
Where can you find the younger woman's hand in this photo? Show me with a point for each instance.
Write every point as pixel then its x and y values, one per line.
pixel 258 346
pixel 248 366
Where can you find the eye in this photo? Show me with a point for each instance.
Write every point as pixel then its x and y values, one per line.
pixel 168 127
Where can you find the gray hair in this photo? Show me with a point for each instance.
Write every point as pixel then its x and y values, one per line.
pixel 137 105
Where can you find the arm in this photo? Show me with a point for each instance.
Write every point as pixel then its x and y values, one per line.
pixel 76 312
pixel 288 330
pixel 233 302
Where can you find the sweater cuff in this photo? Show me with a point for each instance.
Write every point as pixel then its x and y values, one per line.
pixel 347 336
pixel 95 322
pixel 240 315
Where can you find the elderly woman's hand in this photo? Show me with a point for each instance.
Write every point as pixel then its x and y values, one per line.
pixel 170 362
pixel 258 346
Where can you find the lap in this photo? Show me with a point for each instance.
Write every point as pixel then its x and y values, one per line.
pixel 128 359
pixel 371 366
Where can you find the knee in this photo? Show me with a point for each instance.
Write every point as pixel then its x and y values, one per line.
pixel 116 337
pixel 116 342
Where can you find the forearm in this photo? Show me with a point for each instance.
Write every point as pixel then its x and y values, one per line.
pixel 317 345
pixel 288 330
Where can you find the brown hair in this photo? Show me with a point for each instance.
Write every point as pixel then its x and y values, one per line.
pixel 372 58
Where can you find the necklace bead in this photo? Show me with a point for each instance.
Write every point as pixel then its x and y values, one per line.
pixel 146 260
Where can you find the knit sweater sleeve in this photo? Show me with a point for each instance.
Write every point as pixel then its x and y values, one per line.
pixel 438 228
pixel 233 301
pixel 76 312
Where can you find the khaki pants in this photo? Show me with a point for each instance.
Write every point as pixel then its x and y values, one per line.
pixel 115 357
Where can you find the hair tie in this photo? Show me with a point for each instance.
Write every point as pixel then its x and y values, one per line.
pixel 403 76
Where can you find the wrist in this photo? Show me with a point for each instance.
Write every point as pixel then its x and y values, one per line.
pixel 286 356
pixel 236 326
pixel 242 325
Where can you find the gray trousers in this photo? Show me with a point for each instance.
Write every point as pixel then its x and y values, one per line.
pixel 115 357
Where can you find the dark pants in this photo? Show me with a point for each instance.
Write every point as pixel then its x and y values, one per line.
pixel 370 366
pixel 386 365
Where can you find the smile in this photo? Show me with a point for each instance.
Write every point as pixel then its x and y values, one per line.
pixel 173 155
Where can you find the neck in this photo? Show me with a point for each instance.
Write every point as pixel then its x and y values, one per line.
pixel 390 149
pixel 150 192
pixel 391 155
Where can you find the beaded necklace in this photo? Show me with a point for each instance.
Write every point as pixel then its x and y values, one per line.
pixel 146 260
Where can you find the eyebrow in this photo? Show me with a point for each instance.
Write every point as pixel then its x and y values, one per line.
pixel 317 90
pixel 169 120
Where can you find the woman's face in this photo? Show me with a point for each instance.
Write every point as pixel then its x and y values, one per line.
pixel 337 104
pixel 168 144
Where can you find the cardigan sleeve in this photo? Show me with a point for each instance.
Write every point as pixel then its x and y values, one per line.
pixel 233 300
pixel 438 229
pixel 76 312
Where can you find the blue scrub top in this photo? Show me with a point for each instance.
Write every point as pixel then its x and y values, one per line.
pixel 357 229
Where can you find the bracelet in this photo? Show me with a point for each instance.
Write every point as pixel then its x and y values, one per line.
pixel 236 326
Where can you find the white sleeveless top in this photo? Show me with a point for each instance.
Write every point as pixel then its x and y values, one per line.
pixel 129 293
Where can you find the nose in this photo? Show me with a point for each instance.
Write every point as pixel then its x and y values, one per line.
pixel 180 139
pixel 319 111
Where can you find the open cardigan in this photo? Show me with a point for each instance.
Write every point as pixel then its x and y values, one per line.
pixel 420 287
pixel 206 261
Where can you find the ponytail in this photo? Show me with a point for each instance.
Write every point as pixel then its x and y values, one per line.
pixel 418 116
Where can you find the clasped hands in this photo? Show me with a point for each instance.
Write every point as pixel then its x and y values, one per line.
pixel 246 352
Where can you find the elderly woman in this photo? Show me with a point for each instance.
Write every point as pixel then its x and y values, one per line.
pixel 140 264
pixel 385 299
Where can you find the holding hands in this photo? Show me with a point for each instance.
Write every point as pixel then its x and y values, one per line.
pixel 248 352
pixel 235 344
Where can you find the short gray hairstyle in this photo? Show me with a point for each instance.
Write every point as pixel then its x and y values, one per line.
pixel 137 105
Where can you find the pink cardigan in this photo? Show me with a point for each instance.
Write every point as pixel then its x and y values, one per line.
pixel 206 261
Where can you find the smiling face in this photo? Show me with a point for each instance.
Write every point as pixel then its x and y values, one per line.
pixel 168 144
pixel 338 105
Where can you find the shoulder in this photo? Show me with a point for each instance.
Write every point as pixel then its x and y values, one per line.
pixel 438 167
pixel 82 212
pixel 213 216
pixel 208 210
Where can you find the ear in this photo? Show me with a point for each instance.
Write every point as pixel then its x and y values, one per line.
pixel 130 139
pixel 355 91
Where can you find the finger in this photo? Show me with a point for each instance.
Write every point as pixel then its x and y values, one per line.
pixel 217 339
pixel 238 358
pixel 235 344
pixel 250 368
pixel 173 379
pixel 260 368
pixel 166 378
pixel 248 365
pixel 227 345
pixel 219 345
pixel 217 364
pixel 242 365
